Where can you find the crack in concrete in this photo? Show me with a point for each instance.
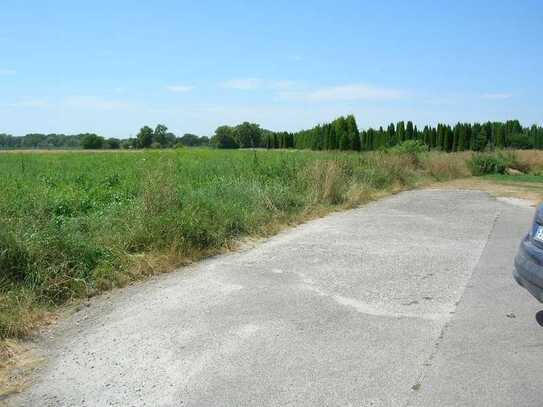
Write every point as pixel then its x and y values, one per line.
pixel 428 362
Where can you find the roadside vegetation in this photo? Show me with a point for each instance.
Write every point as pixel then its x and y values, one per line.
pixel 75 224
pixel 507 163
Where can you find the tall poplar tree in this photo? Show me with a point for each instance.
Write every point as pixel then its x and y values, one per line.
pixel 391 135
pixel 400 132
pixel 409 134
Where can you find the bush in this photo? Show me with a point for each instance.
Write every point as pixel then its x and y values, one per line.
pixel 410 147
pixel 520 141
pixel 92 142
pixel 491 163
pixel 412 150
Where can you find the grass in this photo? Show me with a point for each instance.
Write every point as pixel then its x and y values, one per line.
pixel 74 224
pixel 503 178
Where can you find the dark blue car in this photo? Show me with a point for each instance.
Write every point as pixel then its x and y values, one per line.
pixel 529 260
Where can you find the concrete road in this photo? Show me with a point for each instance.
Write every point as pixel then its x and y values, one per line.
pixel 406 302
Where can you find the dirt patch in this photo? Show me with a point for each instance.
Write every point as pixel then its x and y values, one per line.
pixel 17 361
pixel 528 191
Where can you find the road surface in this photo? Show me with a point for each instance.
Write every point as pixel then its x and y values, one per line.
pixel 408 301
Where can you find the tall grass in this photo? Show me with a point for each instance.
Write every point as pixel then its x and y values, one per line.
pixel 531 160
pixel 75 224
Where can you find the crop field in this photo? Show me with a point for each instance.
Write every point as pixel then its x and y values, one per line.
pixel 73 224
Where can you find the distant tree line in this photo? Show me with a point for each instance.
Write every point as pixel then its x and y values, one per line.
pixel 460 137
pixel 343 134
pixel 57 141
pixel 250 135
pixel 340 134
pixel 245 135
pixel 160 137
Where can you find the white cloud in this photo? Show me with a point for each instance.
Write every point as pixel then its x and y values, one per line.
pixel 71 102
pixel 496 96
pixel 345 93
pixel 282 85
pixel 257 83
pixel 92 102
pixel 27 103
pixel 7 72
pixel 243 84
pixel 180 88
pixel 32 104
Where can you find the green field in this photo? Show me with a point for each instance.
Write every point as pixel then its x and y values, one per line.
pixel 73 224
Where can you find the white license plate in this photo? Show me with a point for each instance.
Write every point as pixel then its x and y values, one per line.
pixel 539 234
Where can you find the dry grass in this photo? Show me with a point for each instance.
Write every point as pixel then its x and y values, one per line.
pixel 456 172
pixel 327 182
pixel 19 314
pixel 447 167
pixel 17 361
pixel 531 159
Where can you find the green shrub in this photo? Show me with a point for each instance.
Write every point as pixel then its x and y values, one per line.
pixel 491 163
pixel 410 147
pixel 520 141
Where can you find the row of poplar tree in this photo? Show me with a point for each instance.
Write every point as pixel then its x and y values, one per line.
pixel 343 134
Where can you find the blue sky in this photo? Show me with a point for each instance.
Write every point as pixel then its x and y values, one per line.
pixel 113 66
